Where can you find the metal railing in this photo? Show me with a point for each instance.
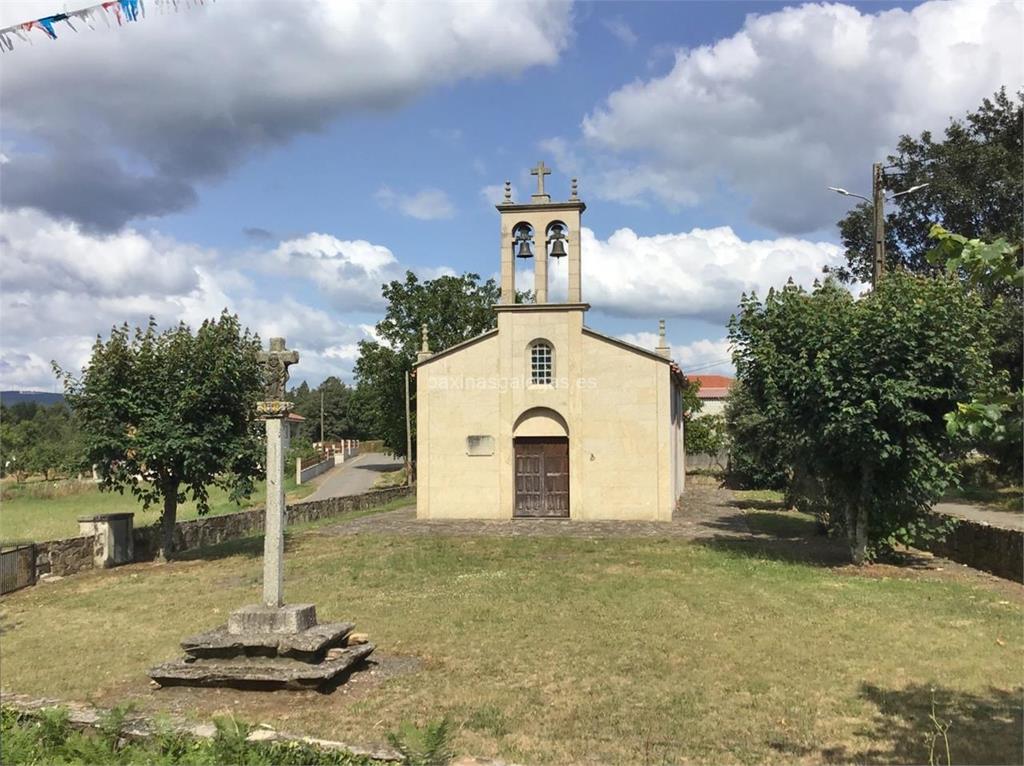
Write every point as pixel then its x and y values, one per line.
pixel 17 566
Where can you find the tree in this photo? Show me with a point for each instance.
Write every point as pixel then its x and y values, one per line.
pixel 167 414
pixel 995 416
pixel 855 392
pixel 454 309
pixel 705 435
pixel 975 186
pixel 338 420
pixel 39 439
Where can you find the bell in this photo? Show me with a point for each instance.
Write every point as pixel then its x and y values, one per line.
pixel 524 249
pixel 558 248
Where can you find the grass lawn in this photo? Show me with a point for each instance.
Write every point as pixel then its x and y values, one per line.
pixel 560 650
pixel 26 516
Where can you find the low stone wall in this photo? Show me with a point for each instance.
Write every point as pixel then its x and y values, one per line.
pixel 211 530
pixel 64 557
pixel 302 475
pixel 74 554
pixel 982 546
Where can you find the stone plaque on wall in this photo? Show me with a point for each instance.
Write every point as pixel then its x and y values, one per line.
pixel 479 445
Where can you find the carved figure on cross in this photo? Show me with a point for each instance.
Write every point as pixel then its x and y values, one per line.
pixel 275 371
pixel 540 171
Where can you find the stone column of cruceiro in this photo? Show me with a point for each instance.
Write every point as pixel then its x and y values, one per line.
pixel 273 411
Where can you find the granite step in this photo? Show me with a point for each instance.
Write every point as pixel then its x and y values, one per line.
pixel 308 645
pixel 261 672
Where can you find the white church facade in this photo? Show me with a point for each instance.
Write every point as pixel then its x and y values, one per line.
pixel 543 417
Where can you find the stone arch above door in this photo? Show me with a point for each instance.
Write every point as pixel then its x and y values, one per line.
pixel 540 421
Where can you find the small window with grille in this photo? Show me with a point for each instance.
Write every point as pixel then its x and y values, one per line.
pixel 540 363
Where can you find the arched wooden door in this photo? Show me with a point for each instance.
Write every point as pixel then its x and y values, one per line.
pixel 542 476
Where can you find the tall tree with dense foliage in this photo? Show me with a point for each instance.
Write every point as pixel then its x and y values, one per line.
pixel 856 391
pixel 995 416
pixel 167 414
pixel 338 418
pixel 975 178
pixel 454 309
pixel 38 439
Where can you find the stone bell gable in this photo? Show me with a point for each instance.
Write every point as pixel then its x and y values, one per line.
pixel 544 417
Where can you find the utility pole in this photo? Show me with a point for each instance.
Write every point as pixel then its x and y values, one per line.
pixel 408 435
pixel 878 211
pixel 321 414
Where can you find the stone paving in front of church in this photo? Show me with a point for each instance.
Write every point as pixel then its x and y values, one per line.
pixel 705 512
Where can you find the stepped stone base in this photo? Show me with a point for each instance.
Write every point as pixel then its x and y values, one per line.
pixel 266 648
pixel 308 645
pixel 261 672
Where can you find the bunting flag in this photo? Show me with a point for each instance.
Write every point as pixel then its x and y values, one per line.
pixel 119 10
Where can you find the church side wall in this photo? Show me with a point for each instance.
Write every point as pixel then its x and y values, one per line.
pixel 456 397
pixel 626 470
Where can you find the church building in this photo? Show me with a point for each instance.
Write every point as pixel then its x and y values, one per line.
pixel 543 416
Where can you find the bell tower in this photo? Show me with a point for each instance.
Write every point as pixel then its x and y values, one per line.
pixel 540 229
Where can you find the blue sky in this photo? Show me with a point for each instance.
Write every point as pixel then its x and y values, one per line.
pixel 284 158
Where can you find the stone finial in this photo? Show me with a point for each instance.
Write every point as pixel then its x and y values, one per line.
pixel 575 191
pixel 508 191
pixel 663 348
pixel 424 352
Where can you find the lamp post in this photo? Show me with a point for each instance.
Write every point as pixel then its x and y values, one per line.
pixel 877 203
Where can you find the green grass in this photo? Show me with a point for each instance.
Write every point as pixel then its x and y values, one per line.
pixel 24 515
pixel 49 738
pixel 564 650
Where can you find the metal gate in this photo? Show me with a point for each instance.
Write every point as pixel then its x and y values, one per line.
pixel 542 477
pixel 17 566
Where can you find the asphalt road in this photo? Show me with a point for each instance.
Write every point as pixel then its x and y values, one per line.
pixel 355 476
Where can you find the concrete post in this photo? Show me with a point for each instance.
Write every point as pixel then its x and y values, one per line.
pixel 273 536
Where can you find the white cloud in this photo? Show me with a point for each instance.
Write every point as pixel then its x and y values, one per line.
pixel 43 257
pixel 706 355
pixel 621 31
pixel 349 272
pixel 211 85
pixel 494 194
pixel 799 99
pixel 700 273
pixel 424 205
pixel 63 286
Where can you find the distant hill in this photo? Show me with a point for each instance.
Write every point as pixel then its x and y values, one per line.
pixel 41 397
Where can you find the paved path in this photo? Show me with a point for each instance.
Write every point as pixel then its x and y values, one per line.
pixel 354 476
pixel 995 518
pixel 707 512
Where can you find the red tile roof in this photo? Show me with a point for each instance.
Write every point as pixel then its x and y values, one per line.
pixel 712 386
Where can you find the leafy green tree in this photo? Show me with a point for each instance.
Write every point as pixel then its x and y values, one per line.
pixel 754 439
pixel 167 414
pixel 856 392
pixel 338 420
pixel 975 180
pixel 454 309
pixel 38 439
pixel 995 416
pixel 705 435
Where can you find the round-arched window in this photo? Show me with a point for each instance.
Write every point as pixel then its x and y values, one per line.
pixel 541 363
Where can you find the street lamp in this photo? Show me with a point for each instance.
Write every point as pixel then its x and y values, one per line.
pixel 878 213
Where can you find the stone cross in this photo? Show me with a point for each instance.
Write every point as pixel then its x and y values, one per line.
pixel 540 171
pixel 274 410
pixel 275 369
